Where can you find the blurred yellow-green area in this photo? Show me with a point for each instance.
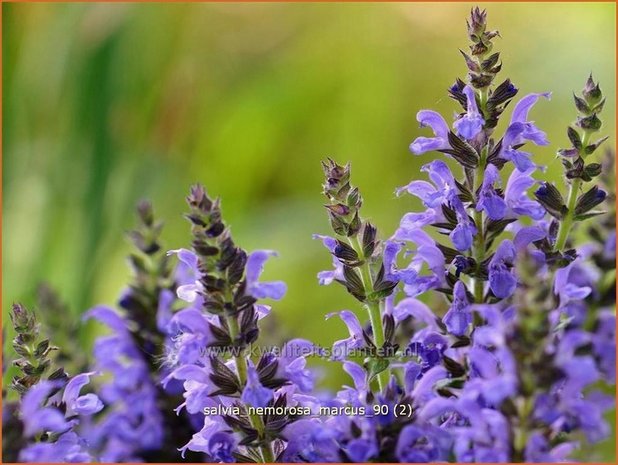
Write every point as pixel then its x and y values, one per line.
pixel 106 104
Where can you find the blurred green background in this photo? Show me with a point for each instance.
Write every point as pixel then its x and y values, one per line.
pixel 107 104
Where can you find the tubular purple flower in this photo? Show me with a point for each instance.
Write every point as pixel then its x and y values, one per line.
pixel 604 343
pixel 164 310
pixel 539 450
pixel 429 346
pixel 69 448
pixel 309 440
pixel 517 201
pixel 489 201
pixel 410 227
pixel 411 372
pixel 463 234
pixel 255 393
pixel 493 374
pixel 502 282
pixel 327 277
pixel 423 444
pixel 471 123
pixel 201 441
pixel 260 290
pixel 527 235
pixel 190 332
pixel 108 317
pixel 88 404
pixel 220 447
pixel 425 388
pixel 359 377
pixel 521 130
pixel 293 363
pixel 342 347
pixel 38 418
pixel 417 310
pixel 361 450
pixel 443 188
pixel 566 288
pixel 525 104
pixel 459 317
pixel 435 121
pixel 189 287
pixel 197 384
pixel 389 256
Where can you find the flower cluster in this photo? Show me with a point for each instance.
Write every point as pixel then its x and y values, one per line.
pixel 509 370
pixel 212 337
pixel 51 407
pixel 139 420
pixel 488 332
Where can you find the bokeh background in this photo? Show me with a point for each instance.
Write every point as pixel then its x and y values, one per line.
pixel 107 104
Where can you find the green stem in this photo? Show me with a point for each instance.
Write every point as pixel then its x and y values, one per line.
pixel 479 256
pixel 241 367
pixel 373 309
pixel 521 433
pixel 567 222
pixel 241 363
pixel 483 97
pixel 375 317
pixel 478 248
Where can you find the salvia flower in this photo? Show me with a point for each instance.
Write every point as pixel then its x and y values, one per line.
pixel 211 338
pixel 139 418
pixel 52 409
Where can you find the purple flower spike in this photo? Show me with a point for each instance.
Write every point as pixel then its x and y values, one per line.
pixel 471 123
pixel 255 265
pixel 426 144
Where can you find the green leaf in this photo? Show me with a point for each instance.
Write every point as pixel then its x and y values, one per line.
pixel 375 366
